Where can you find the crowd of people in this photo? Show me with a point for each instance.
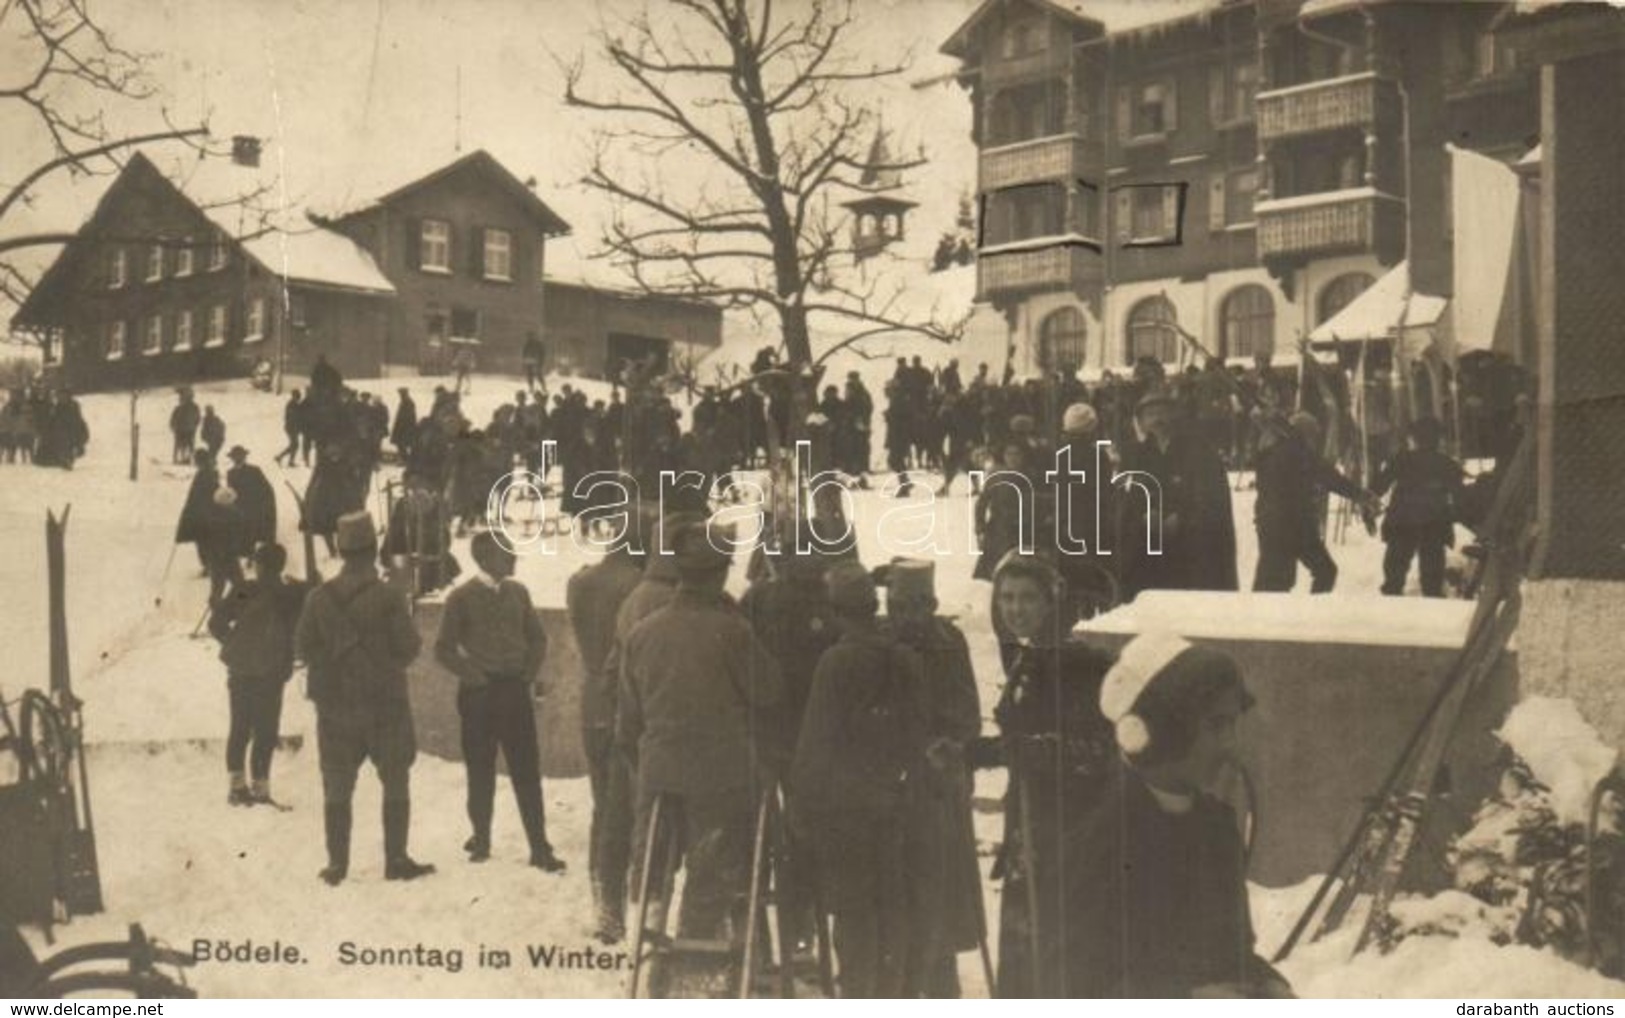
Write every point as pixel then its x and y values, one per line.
pixel 42 425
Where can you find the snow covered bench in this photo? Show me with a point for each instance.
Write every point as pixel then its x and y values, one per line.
pixel 1340 684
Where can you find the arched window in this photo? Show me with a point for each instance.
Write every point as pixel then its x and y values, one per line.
pixel 1247 320
pixel 1151 331
pixel 1061 341
pixel 1339 294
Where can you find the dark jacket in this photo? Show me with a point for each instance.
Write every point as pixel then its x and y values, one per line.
pixel 700 700
pixel 1427 492
pixel 862 742
pixel 792 617
pixel 255 627
pixel 1291 477
pixel 1156 901
pixel 183 420
pixel 1198 525
pixel 491 632
pixel 356 636
pixel 196 510
pixel 593 598
pixel 256 501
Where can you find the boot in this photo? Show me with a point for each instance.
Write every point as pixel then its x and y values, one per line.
pixel 478 848
pixel 239 795
pixel 543 859
pixel 336 819
pixel 259 792
pixel 397 822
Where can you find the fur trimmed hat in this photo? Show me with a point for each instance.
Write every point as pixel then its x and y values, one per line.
pixel 1154 693
pixel 1141 661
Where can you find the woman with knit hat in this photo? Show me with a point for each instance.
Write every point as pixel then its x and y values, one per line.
pixel 1156 888
pixel 1058 751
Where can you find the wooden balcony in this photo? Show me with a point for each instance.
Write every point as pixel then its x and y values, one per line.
pixel 1055 60
pixel 1358 101
pixel 1060 157
pixel 1011 271
pixel 1357 220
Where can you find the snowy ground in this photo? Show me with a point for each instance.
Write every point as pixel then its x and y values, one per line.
pixel 176 858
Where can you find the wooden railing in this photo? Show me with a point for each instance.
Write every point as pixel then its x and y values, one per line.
pixel 1367 222
pixel 1061 157
pixel 1325 106
pixel 1056 267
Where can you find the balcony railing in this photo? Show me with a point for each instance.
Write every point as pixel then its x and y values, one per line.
pixel 1061 157
pixel 1358 100
pixel 1013 270
pixel 1359 219
pixel 1046 62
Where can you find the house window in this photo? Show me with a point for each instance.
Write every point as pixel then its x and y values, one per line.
pixel 115 340
pixel 183 331
pixel 465 323
pixel 1147 110
pixel 297 310
pixel 152 341
pixel 1025 213
pixel 1061 338
pixel 118 269
pixel 1148 214
pixel 1339 293
pixel 155 263
pixel 1231 90
pixel 1247 319
pixel 1151 331
pixel 217 254
pixel 254 329
pixel 1240 188
pixel 216 335
pixel 184 258
pixel 499 255
pixel 434 247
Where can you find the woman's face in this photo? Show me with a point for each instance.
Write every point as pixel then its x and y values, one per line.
pixel 1215 743
pixel 1023 606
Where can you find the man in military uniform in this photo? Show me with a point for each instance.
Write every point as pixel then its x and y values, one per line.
pixel 356 636
pixel 700 715
pixel 943 869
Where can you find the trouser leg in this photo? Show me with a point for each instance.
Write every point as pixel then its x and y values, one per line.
pixel 479 759
pixel 1322 570
pixel 267 725
pixel 1396 561
pixel 1430 562
pixel 515 726
pixel 237 736
pixel 1277 568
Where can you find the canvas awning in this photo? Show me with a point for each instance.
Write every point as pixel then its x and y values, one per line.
pixel 1388 309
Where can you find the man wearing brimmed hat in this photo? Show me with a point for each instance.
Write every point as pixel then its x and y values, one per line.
pixel 857 788
pixel 356 636
pixel 943 870
pixel 700 716
pixel 256 499
pixel 1196 525
pixel 1157 896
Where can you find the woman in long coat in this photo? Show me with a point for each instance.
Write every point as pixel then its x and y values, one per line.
pixel 1059 752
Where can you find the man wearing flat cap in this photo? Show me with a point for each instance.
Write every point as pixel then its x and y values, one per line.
pixel 356 636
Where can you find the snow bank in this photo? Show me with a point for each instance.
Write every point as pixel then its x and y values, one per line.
pixel 1562 750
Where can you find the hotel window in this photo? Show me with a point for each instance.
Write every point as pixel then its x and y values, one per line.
pixel 1146 111
pixel 216 335
pixel 184 258
pixel 254 329
pixel 1248 318
pixel 1148 214
pixel 183 331
pixel 499 255
pixel 1026 212
pixel 434 246
pixel 1231 90
pixel 118 269
pixel 1151 331
pixel 155 263
pixel 115 340
pixel 1061 339
pixel 1230 198
pixel 1339 294
pixel 152 341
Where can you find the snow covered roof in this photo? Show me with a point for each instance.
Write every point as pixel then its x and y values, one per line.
pixel 318 256
pixel 1386 307
pixel 1291 618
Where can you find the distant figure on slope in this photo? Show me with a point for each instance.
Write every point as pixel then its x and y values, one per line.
pixel 183 424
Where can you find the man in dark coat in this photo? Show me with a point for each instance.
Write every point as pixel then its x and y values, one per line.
pixel 183 424
pixel 699 715
pixel 403 434
pixel 222 542
pixel 1421 516
pixel 256 499
pixel 356 636
pixel 255 627
pixel 195 510
pixel 856 780
pixel 1291 477
pixel 946 902
pixel 213 432
pixel 1197 525
pixel 1157 893
pixel 593 597
pixel 492 639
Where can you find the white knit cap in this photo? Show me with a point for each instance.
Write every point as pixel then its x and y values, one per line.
pixel 1141 660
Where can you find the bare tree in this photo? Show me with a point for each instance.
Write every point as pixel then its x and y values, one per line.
pixel 732 133
pixel 63 81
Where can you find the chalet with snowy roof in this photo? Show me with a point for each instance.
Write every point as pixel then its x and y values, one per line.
pixel 157 289
pixel 161 288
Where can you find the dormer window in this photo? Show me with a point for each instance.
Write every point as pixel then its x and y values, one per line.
pixel 1023 38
